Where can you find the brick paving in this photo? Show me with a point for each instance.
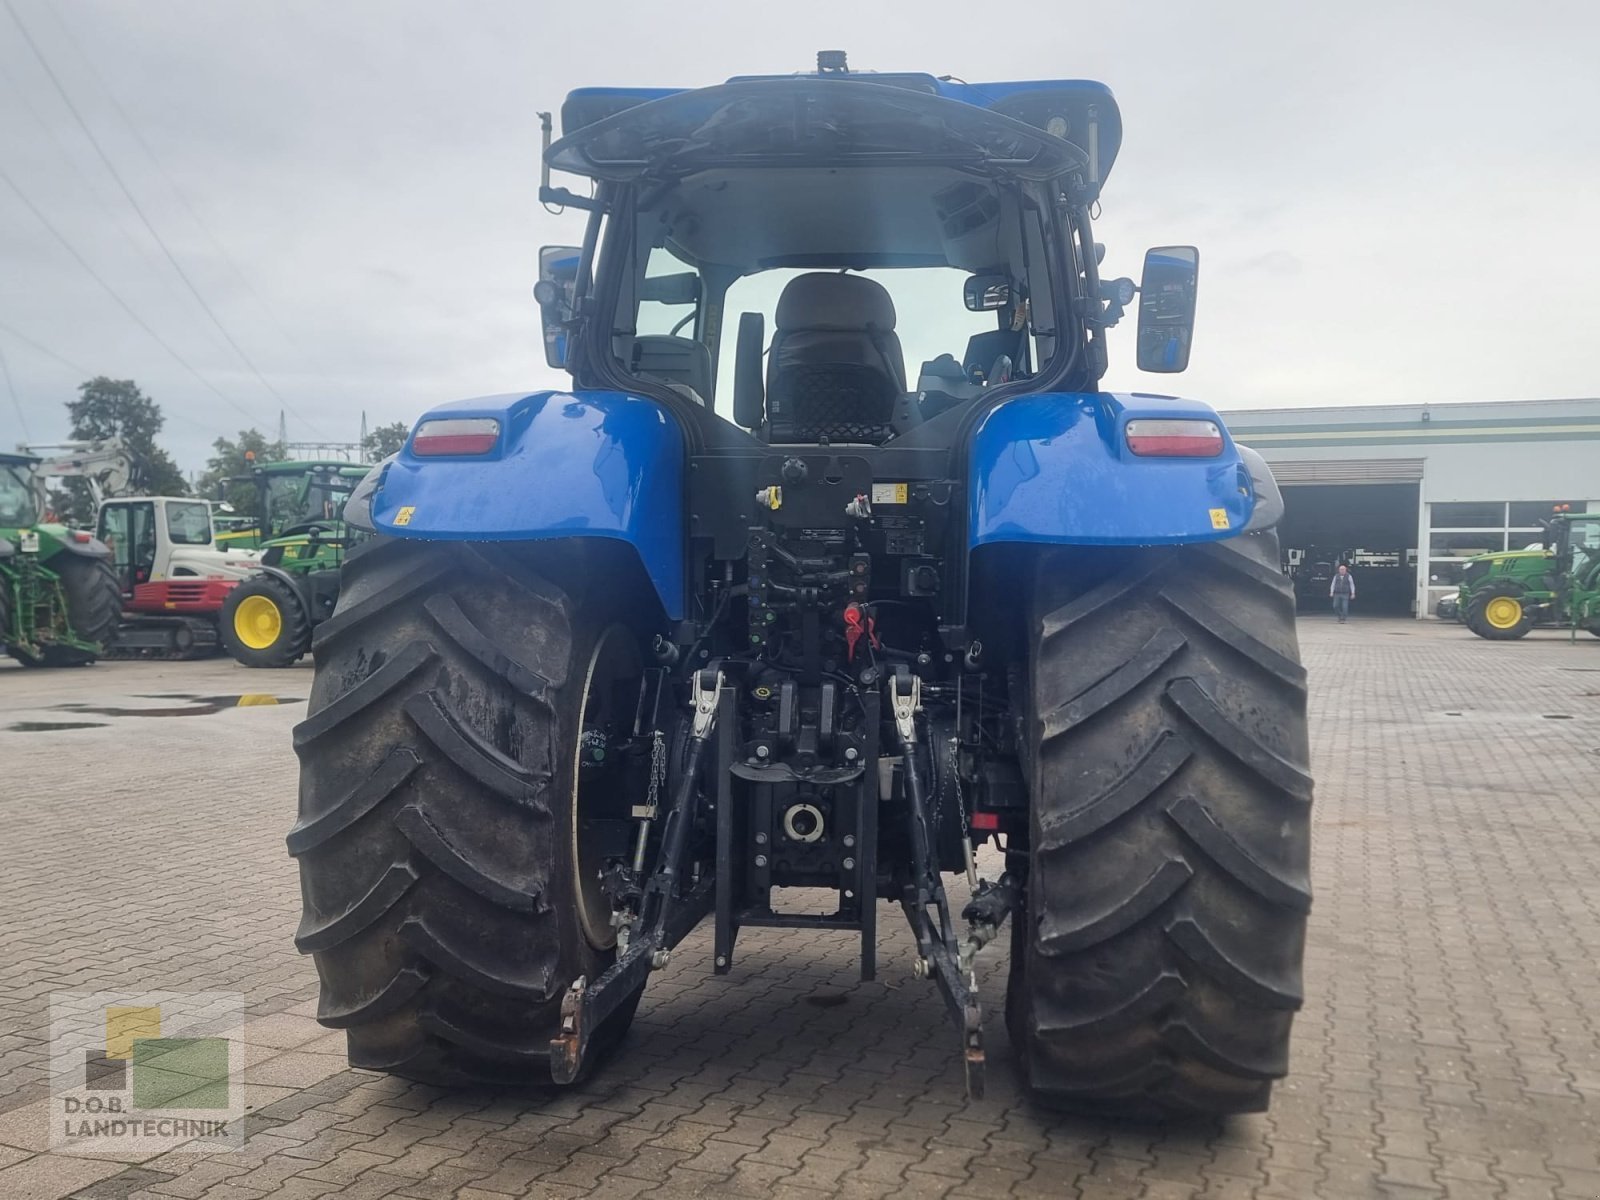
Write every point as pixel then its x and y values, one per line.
pixel 1450 1043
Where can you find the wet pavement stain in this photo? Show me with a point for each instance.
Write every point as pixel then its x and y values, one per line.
pixel 226 701
pixel 201 706
pixel 51 726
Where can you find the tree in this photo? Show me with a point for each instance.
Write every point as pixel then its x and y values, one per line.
pixel 385 440
pixel 229 462
pixel 116 408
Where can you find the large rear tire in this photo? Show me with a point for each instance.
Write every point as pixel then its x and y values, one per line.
pixel 94 609
pixel 1157 967
pixel 264 624
pixel 438 837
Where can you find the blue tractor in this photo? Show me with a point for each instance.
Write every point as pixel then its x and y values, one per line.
pixel 755 626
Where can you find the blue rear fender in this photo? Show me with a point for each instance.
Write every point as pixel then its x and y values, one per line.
pixel 595 464
pixel 1056 468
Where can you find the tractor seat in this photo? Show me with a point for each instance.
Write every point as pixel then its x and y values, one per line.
pixel 835 369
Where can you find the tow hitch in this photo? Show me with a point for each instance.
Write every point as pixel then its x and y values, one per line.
pixel 943 957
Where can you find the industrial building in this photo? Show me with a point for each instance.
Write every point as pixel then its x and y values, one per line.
pixel 1405 492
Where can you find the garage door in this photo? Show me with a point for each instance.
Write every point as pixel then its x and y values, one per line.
pixel 1347 470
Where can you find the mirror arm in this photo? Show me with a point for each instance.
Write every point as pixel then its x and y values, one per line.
pixel 567 199
pixel 554 195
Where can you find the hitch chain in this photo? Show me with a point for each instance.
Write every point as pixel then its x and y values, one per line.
pixel 645 813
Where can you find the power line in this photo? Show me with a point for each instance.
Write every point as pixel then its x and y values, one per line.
pixel 113 218
pixel 45 350
pixel 113 293
pixel 139 211
pixel 64 26
pixel 5 369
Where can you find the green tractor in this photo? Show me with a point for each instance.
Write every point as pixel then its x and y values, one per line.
pixel 1503 596
pixel 59 600
pixel 299 528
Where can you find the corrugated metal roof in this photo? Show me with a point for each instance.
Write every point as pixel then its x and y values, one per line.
pixel 1347 470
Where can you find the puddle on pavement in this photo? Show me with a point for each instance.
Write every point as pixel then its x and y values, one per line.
pixel 51 726
pixel 198 706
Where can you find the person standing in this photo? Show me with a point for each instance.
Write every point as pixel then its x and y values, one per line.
pixel 1343 590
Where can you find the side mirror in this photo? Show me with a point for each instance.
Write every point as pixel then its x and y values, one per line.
pixel 558 278
pixel 986 293
pixel 1166 308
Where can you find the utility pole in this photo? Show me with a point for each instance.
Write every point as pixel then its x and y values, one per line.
pixel 283 430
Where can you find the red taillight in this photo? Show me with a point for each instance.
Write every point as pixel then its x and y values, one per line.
pixel 82 538
pixel 1174 438
pixel 456 435
pixel 986 822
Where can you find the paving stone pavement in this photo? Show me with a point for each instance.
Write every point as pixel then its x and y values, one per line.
pixel 1449 1046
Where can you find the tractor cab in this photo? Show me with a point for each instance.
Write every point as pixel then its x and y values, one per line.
pixel 19 494
pixel 288 499
pixel 310 496
pixel 1577 550
pixel 845 257
pixel 304 510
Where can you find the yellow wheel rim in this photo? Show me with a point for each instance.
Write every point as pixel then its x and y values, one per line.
pixel 257 622
pixel 1503 612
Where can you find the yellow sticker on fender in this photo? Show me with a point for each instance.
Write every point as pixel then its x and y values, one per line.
pixel 888 493
pixel 1219 518
pixel 403 517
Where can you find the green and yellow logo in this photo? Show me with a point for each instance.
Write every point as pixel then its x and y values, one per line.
pixel 160 1072
pixel 153 1071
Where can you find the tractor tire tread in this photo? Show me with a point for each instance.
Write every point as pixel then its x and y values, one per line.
pixel 1477 615
pixel 436 903
pixel 288 649
pixel 1158 964
pixel 94 608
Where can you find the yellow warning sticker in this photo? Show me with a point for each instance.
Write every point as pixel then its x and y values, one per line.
pixel 403 517
pixel 1219 518
pixel 889 493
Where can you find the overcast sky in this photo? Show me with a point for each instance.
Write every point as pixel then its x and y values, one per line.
pixel 1394 201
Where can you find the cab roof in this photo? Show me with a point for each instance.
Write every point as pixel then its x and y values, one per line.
pixel 1031 128
pixel 298 466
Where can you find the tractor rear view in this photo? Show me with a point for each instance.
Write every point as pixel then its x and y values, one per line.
pixel 299 530
pixel 833 565
pixel 59 601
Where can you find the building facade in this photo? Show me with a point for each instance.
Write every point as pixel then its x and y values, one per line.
pixel 1406 492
